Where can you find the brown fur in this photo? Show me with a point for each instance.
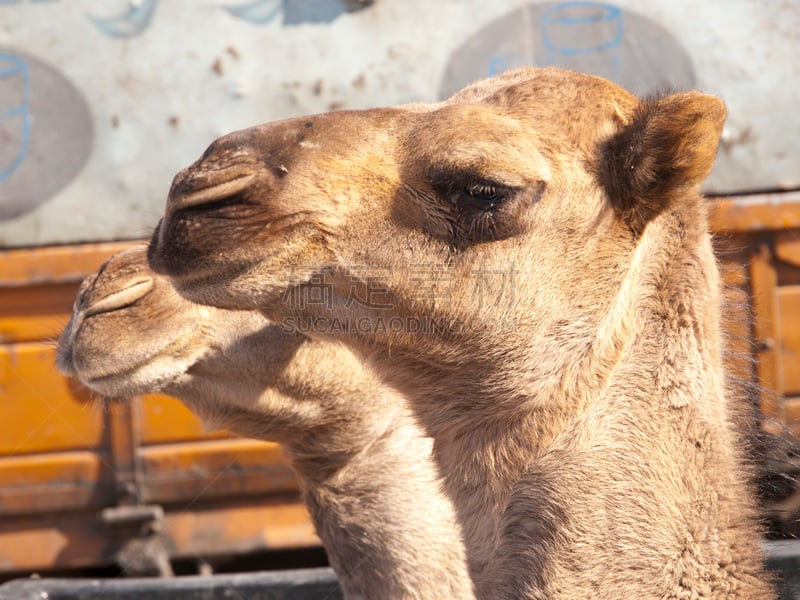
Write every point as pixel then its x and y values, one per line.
pixel 542 240
pixel 363 464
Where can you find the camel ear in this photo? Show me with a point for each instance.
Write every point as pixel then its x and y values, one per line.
pixel 664 151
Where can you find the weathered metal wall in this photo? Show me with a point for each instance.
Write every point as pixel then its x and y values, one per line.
pixel 102 101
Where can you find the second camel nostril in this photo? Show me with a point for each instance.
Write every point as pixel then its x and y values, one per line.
pixel 132 291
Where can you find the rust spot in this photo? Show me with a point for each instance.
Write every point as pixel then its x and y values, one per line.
pixel 359 82
pixel 216 66
pixel 746 136
pixel 335 105
pixel 174 120
pixel 316 89
pixel 233 52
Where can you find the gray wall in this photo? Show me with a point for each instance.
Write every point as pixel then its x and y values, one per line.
pixel 102 101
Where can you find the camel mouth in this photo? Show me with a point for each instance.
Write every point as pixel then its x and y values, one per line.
pixel 65 358
pixel 202 287
pixel 129 376
pixel 119 386
pixel 126 297
pixel 101 383
pixel 216 260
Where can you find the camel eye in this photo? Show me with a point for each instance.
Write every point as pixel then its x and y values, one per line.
pixel 482 195
pixel 485 195
pixel 474 207
pixel 467 191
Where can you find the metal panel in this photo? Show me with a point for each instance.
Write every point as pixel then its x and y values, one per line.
pixel 165 420
pixel 69 539
pixel 40 414
pixel 301 584
pixel 102 102
pixel 79 479
pixel 783 558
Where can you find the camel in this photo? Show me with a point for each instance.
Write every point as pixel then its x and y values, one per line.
pixel 528 263
pixel 363 464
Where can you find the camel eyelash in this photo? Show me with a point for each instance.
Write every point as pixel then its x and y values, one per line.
pixel 467 191
pixel 485 195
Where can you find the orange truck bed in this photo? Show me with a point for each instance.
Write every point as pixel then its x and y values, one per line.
pixel 81 483
pixel 80 479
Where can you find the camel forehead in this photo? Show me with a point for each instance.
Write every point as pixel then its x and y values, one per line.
pixel 548 85
pixel 537 103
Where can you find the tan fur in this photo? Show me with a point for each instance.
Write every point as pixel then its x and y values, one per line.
pixel 363 463
pixel 541 238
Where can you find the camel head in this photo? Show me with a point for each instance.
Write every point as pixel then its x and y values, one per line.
pixel 363 463
pixel 132 334
pixel 529 263
pixel 511 209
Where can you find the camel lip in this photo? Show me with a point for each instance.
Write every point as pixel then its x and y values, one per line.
pixel 65 361
pixel 96 381
pixel 169 259
pixel 122 377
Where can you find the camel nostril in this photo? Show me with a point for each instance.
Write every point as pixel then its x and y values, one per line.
pixel 132 292
pixel 206 191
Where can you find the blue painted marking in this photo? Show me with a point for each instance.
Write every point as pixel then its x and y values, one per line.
pixel 602 14
pixel 613 12
pixel 128 24
pixel 497 64
pixel 316 11
pixel 500 63
pixel 295 12
pixel 17 67
pixel 259 12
